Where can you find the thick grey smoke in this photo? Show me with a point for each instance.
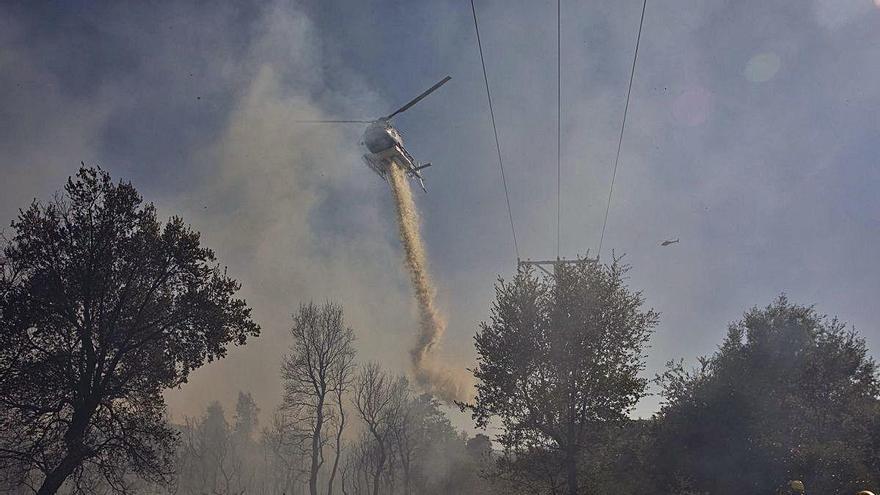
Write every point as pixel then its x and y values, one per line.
pixel 429 372
pixel 197 106
pixel 269 176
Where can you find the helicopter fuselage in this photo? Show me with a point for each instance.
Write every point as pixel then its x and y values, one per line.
pixel 381 135
pixel 385 146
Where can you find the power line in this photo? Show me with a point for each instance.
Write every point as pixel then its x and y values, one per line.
pixel 558 124
pixel 495 130
pixel 622 126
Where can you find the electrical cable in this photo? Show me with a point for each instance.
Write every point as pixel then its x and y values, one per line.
pixel 622 127
pixel 495 130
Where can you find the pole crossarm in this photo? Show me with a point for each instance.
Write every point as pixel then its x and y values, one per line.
pixel 543 264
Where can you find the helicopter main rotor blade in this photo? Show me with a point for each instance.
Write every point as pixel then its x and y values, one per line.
pixel 334 121
pixel 420 97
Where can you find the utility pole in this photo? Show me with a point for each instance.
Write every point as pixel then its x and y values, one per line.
pixel 564 328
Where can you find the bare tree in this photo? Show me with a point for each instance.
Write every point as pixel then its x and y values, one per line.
pixel 406 442
pixel 342 373
pixel 316 373
pixel 378 398
pixel 359 467
pixel 285 448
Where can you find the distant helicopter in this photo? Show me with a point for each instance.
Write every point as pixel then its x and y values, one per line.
pixel 668 242
pixel 385 144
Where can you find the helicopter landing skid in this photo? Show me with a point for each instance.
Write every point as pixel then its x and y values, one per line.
pixel 382 161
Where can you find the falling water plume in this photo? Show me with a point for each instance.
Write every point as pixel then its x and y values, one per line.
pixel 429 373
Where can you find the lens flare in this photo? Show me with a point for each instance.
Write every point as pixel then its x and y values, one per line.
pixel 763 67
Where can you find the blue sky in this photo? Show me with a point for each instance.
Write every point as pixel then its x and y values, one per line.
pixel 753 136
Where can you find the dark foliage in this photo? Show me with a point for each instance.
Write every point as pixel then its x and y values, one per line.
pixel 102 307
pixel 790 395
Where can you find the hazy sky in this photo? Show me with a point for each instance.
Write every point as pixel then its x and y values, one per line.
pixel 754 137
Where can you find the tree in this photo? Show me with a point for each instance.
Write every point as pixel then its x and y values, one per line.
pixel 560 356
pixel 790 394
pixel 245 422
pixel 378 398
pixel 285 448
pixel 210 460
pixel 342 376
pixel 102 307
pixel 246 417
pixel 620 459
pixel 438 458
pixel 415 449
pixel 316 372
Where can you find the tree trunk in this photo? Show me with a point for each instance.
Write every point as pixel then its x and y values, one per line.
pixel 75 454
pixel 338 451
pixel 380 466
pixel 571 471
pixel 316 448
pixel 57 476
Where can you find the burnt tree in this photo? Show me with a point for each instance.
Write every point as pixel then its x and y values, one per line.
pixel 378 399
pixel 316 372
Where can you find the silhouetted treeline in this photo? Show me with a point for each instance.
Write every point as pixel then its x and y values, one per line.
pixel 103 307
pixel 231 454
pixel 789 395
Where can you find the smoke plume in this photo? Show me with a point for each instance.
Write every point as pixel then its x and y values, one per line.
pixel 431 375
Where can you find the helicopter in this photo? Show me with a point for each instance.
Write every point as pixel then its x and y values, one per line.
pixel 384 142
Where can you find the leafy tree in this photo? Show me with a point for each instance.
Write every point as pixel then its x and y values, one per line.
pixel 246 417
pixel 559 356
pixel 317 371
pixel 620 459
pixel 425 442
pixel 244 427
pixel 790 394
pixel 102 307
pixel 479 447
